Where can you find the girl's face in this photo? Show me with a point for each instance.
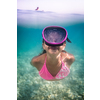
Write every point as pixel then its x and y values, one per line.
pixel 53 49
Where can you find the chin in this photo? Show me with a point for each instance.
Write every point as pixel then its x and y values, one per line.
pixel 56 52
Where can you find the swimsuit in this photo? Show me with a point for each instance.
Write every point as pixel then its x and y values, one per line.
pixel 45 74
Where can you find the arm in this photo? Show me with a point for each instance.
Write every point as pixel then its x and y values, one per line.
pixel 69 59
pixel 37 62
pixel 34 61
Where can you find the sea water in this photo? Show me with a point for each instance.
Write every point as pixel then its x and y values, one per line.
pixel 30 86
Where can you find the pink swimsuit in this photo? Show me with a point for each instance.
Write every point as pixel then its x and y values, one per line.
pixel 45 74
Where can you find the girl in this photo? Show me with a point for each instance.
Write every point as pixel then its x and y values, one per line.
pixel 54 63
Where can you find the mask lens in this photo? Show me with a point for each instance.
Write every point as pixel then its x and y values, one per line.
pixel 54 35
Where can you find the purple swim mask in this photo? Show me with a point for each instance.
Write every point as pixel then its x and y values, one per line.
pixel 55 35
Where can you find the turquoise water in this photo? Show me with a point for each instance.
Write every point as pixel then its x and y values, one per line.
pixel 30 86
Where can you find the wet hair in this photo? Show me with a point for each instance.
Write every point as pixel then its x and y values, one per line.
pixel 44 51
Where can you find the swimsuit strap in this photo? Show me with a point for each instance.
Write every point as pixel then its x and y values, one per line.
pixel 61 59
pixel 45 60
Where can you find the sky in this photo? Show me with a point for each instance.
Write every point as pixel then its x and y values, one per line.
pixel 61 6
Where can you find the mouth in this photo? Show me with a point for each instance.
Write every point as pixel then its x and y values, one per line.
pixel 53 48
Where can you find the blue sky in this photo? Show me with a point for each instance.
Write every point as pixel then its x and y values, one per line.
pixel 61 6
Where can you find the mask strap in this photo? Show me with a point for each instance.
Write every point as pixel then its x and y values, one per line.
pixel 68 40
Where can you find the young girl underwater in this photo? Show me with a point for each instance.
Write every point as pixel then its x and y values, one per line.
pixel 54 63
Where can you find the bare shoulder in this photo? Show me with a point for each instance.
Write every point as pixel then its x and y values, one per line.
pixel 37 60
pixel 68 57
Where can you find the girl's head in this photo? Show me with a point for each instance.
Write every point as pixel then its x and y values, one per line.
pixel 54 39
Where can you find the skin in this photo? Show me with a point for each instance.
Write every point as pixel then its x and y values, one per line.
pixel 53 62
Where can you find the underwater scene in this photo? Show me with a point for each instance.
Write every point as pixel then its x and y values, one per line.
pixel 30 86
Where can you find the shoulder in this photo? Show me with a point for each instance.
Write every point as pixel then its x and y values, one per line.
pixel 68 57
pixel 37 60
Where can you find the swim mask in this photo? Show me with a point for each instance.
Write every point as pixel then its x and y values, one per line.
pixel 55 35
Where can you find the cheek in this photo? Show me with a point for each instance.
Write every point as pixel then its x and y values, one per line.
pixel 46 47
pixel 61 47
